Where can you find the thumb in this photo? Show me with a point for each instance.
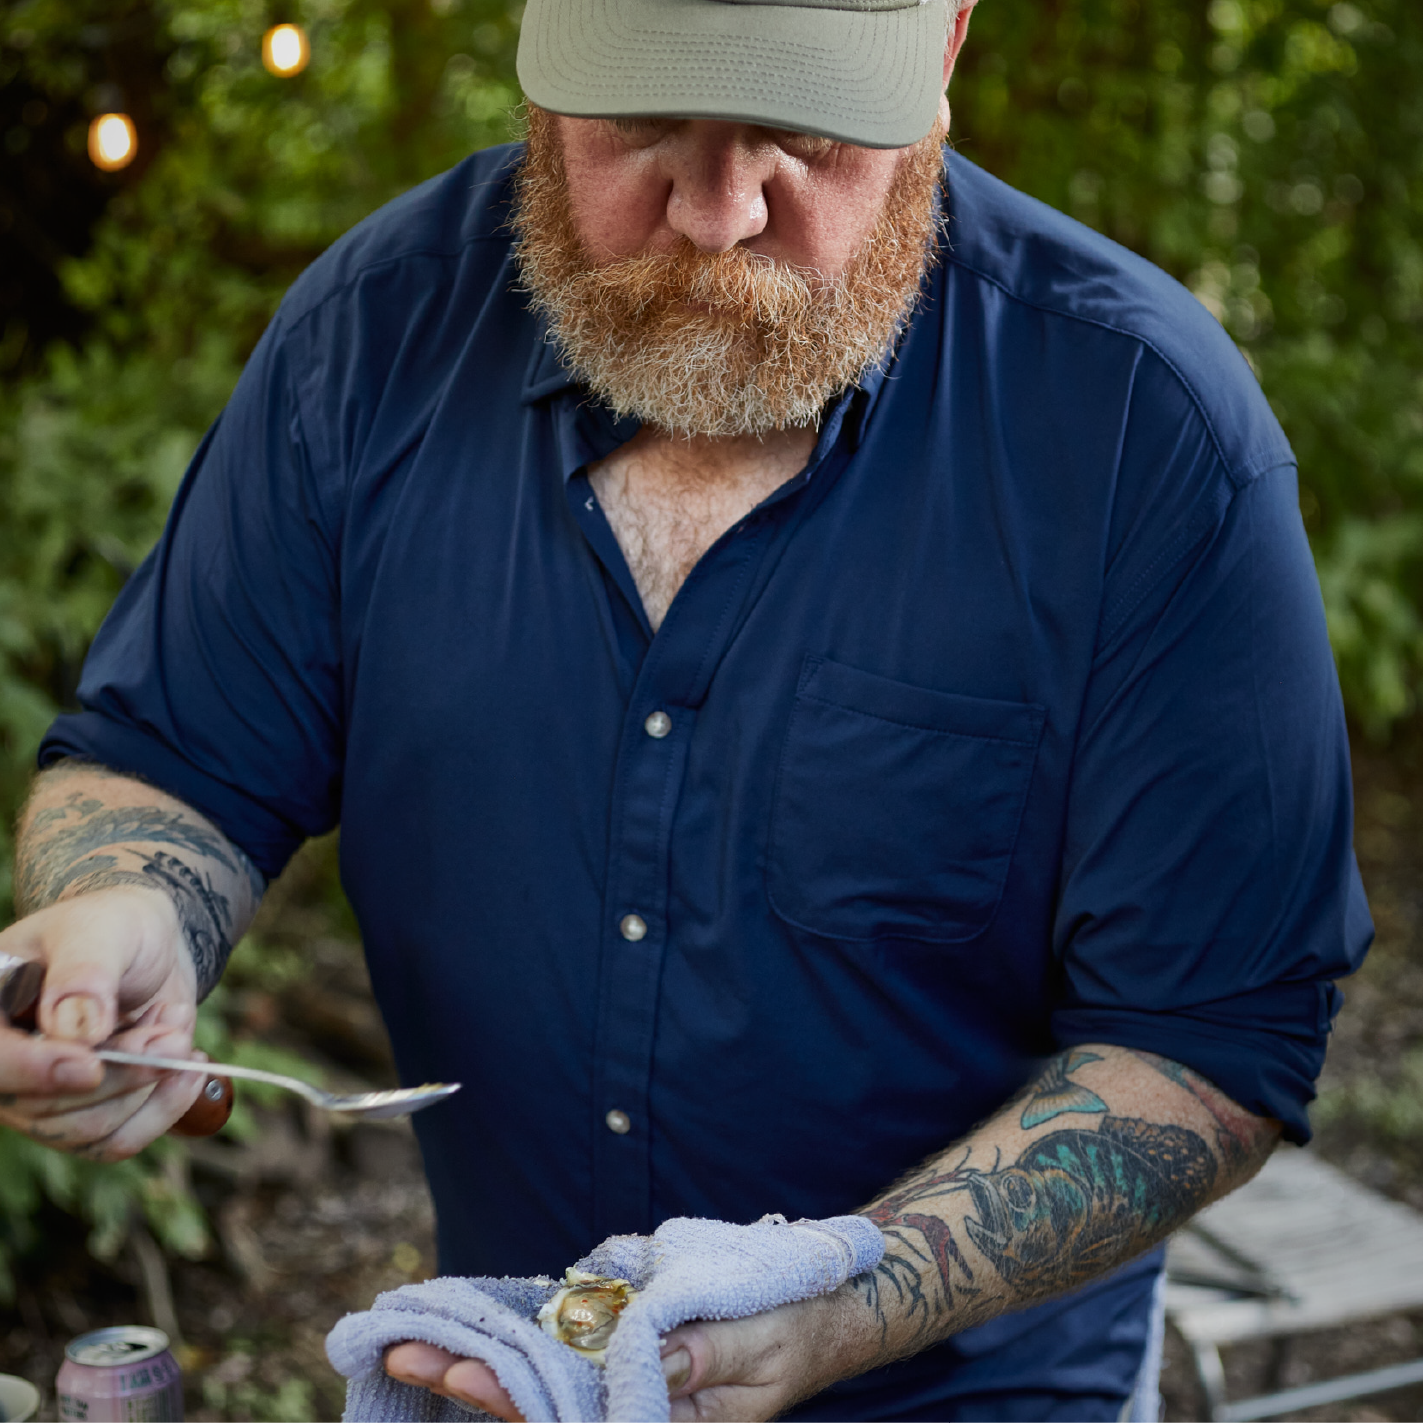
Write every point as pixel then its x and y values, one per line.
pixel 89 946
pixel 703 1355
pixel 676 1367
pixel 761 1359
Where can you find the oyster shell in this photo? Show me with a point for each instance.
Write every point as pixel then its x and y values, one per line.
pixel 584 1313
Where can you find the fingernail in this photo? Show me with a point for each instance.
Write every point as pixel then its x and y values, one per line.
pixel 76 1073
pixel 79 1018
pixel 677 1368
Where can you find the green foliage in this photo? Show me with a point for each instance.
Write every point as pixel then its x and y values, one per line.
pixel 107 1197
pixel 1388 1108
pixel 231 1391
pixel 274 969
pixel 1366 578
pixel 90 457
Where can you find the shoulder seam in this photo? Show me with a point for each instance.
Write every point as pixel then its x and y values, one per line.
pixel 1114 619
pixel 500 177
pixel 1251 469
pixel 1199 529
pixel 377 264
pixel 333 537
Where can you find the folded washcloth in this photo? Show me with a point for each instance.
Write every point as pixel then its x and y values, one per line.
pixel 485 1319
pixel 706 1269
pixel 689 1269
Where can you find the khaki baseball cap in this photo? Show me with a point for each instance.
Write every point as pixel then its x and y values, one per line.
pixel 868 72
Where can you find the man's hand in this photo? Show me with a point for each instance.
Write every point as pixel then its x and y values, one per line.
pixel 758 1367
pixel 738 1369
pixel 1098 1159
pixel 116 972
pixel 132 902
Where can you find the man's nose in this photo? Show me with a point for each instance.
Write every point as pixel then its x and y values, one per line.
pixel 719 174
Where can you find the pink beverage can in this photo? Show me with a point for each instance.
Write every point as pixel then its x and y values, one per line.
pixel 121 1375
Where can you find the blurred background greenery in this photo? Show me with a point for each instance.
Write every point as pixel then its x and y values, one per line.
pixel 1269 153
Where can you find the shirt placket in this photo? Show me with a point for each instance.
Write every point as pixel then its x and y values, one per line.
pixel 658 727
pixel 656 738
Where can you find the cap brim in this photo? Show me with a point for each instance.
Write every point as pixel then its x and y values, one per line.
pixel 871 78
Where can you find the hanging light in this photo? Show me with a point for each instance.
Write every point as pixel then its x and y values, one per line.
pixel 113 142
pixel 285 50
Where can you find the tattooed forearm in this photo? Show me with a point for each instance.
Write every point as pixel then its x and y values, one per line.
pixel 1029 1206
pixel 1235 1129
pixel 1053 1093
pixel 57 852
pixel 89 829
pixel 1079 1201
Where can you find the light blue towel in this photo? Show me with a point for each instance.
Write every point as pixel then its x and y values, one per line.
pixel 689 1269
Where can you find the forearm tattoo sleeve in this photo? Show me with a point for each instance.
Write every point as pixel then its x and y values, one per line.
pixel 81 843
pixel 976 1231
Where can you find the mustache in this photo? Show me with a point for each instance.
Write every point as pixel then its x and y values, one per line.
pixel 749 286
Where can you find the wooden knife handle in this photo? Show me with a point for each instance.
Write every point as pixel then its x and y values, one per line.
pixel 209 1113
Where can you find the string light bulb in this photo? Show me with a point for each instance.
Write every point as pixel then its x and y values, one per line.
pixel 113 142
pixel 285 50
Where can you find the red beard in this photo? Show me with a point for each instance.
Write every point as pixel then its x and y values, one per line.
pixel 729 343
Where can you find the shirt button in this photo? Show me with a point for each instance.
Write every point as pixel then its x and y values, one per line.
pixel 618 1122
pixel 633 927
pixel 657 725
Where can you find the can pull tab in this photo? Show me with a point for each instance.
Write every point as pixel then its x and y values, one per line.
pixel 20 983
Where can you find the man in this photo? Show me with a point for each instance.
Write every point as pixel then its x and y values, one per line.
pixel 817 664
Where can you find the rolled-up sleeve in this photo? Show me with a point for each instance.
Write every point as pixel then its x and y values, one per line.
pixel 217 675
pixel 1209 896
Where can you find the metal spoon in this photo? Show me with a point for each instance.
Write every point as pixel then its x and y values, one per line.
pixel 397 1103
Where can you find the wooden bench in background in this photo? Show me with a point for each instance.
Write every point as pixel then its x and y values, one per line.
pixel 1302 1247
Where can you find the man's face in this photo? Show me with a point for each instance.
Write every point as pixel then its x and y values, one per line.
pixel 719 278
pixel 638 186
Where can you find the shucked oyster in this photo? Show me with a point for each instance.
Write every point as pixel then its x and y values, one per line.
pixel 584 1313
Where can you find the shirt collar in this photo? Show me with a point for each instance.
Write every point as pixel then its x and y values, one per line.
pixel 546 375
pixel 849 412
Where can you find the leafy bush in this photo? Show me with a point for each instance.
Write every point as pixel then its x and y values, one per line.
pixel 1389 1107
pixel 292 1400
pixel 106 1197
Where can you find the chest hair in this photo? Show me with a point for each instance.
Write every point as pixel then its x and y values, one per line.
pixel 669 500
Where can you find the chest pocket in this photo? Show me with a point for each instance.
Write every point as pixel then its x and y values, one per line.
pixel 896 808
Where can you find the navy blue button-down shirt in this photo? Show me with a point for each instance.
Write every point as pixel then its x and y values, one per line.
pixel 1009 723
